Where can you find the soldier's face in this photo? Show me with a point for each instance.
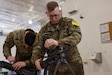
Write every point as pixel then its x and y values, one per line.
pixel 54 15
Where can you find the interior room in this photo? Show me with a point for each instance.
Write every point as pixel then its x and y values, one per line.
pixel 94 18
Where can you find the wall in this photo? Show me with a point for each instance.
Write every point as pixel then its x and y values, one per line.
pixel 94 12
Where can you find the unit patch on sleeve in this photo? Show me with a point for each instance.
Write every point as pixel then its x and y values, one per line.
pixel 75 23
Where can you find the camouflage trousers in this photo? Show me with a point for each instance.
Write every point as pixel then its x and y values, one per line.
pixel 64 70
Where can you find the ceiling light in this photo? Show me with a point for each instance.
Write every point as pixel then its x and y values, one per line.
pixel 30 22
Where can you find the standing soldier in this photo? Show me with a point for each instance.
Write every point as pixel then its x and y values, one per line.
pixel 61 31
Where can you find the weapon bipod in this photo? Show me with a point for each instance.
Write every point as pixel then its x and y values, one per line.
pixel 60 60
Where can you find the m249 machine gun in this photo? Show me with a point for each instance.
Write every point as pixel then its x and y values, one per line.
pixel 60 59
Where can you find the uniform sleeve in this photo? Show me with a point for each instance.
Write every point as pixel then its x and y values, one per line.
pixel 8 44
pixel 28 63
pixel 38 51
pixel 73 35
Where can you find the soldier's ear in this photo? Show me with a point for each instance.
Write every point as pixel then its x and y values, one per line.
pixel 60 10
pixel 47 13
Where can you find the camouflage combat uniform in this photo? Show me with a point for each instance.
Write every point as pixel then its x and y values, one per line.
pixel 15 38
pixel 67 31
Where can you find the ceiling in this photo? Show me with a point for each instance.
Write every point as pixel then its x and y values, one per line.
pixel 22 13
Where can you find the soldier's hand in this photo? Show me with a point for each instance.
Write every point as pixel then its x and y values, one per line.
pixel 19 65
pixel 37 63
pixel 11 59
pixel 50 42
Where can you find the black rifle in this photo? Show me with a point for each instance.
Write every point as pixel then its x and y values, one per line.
pixel 60 58
pixel 21 71
pixel 54 57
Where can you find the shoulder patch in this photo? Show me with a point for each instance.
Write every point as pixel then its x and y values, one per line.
pixel 75 23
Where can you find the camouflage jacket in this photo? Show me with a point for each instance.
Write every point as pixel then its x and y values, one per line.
pixel 67 31
pixel 15 38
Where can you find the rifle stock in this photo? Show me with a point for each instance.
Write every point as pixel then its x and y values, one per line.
pixel 21 71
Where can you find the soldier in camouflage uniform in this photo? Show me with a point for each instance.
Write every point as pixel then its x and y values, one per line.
pixel 62 31
pixel 23 40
